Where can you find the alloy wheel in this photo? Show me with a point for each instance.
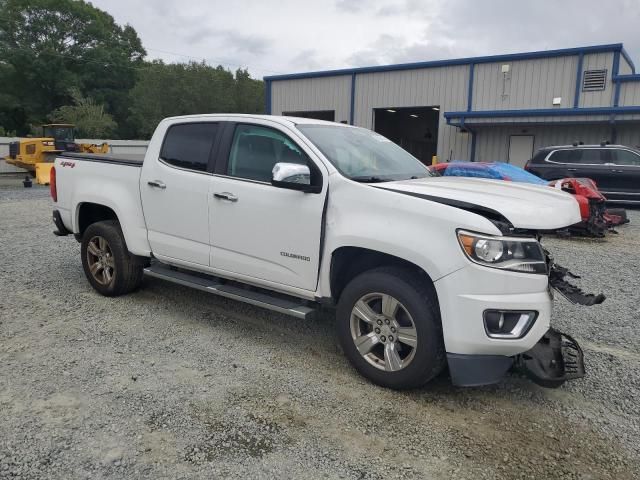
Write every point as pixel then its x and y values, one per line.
pixel 100 260
pixel 383 332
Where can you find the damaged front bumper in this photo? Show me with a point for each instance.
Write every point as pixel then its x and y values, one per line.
pixel 552 361
pixel 481 351
pixel 555 359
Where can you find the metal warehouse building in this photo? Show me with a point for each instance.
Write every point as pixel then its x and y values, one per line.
pixel 500 107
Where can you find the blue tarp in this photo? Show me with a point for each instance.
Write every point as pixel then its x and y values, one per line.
pixel 493 170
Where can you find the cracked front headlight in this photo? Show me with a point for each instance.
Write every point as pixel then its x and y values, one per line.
pixel 516 254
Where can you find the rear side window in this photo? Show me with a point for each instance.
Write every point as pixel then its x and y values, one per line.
pixel 256 150
pixel 626 157
pixel 539 156
pixel 585 156
pixel 189 145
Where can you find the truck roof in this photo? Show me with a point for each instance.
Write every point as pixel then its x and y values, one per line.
pixel 285 120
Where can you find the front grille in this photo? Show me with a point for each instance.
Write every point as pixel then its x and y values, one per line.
pixel 14 149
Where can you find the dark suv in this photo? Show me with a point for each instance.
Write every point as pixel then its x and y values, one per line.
pixel 614 168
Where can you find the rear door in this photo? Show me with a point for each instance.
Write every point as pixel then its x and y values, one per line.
pixel 174 188
pixel 596 164
pixel 625 185
pixel 260 232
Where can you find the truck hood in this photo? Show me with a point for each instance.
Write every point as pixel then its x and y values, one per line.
pixel 523 205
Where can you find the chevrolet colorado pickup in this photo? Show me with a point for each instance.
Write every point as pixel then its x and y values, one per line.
pixel 293 214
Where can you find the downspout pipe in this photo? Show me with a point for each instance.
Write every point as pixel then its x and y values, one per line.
pixel 616 94
pixel 472 155
pixel 462 126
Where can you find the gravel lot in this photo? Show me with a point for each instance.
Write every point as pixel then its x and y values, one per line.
pixel 174 383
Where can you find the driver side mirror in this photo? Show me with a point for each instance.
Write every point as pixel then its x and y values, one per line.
pixel 293 176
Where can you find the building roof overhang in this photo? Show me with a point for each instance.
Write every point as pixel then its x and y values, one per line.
pixel 542 116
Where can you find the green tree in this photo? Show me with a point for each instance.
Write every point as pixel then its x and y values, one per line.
pixel 6 133
pixel 89 118
pixel 249 93
pixel 165 90
pixel 48 47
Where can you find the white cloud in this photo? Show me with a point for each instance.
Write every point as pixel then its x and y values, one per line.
pixel 291 36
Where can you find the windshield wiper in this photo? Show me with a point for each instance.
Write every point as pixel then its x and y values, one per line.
pixel 369 179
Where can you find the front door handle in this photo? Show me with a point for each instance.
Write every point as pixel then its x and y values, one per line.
pixel 157 184
pixel 572 169
pixel 230 197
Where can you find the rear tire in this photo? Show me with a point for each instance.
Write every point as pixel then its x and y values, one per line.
pixel 107 263
pixel 400 344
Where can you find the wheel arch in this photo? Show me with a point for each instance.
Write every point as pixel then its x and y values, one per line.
pixel 348 262
pixel 90 212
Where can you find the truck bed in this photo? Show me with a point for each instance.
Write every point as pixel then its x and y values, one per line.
pixel 112 181
pixel 130 159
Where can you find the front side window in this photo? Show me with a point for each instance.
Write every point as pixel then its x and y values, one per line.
pixel 255 151
pixel 626 157
pixel 363 155
pixel 565 156
pixel 189 145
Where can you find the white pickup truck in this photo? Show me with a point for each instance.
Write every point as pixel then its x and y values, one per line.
pixel 293 214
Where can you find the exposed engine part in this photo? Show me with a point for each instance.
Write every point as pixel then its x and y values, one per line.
pixel 569 291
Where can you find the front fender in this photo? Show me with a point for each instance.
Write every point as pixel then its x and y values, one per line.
pixel 419 231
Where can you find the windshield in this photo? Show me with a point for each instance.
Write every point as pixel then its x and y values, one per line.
pixel 363 155
pixel 59 133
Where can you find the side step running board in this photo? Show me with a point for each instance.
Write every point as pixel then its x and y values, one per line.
pixel 278 303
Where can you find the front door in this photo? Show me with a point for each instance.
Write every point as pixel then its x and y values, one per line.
pixel 175 194
pixel 520 149
pixel 257 230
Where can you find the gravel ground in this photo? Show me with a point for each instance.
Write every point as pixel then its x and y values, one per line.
pixel 174 383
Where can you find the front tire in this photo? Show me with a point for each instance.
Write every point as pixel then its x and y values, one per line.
pixel 388 323
pixel 107 263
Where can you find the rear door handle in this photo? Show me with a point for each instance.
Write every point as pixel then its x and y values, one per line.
pixel 157 184
pixel 572 169
pixel 230 197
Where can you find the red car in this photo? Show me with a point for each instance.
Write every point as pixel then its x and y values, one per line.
pixel 596 218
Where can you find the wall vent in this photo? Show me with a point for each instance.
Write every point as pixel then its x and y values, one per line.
pixel 594 80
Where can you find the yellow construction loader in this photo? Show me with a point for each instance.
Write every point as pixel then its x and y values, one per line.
pixel 36 155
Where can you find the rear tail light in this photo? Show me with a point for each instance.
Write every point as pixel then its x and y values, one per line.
pixel 52 184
